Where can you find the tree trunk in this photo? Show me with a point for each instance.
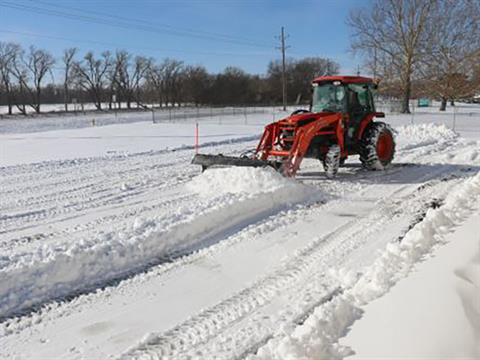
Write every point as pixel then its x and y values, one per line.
pixel 9 102
pixel 406 97
pixel 443 105
pixel 65 97
pixel 38 101
pixel 452 102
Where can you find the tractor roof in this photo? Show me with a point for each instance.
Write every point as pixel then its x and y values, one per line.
pixel 344 79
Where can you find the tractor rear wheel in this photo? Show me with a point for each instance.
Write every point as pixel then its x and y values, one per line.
pixel 377 146
pixel 331 161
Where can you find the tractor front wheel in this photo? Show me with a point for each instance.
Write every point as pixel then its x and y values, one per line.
pixel 331 161
pixel 377 146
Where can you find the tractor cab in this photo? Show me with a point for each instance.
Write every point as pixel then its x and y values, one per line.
pixel 350 95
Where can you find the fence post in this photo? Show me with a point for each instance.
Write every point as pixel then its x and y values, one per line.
pixel 196 138
pixel 454 116
pixel 153 115
pixel 413 112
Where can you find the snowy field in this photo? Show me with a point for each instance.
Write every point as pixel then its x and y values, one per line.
pixel 112 245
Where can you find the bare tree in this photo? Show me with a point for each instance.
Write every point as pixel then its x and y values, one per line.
pixel 299 75
pixel 128 76
pixel 172 71
pixel 30 71
pixel 166 78
pixel 155 83
pixel 68 60
pixel 197 81
pixel 476 78
pixel 397 30
pixel 305 70
pixel 454 50
pixel 91 75
pixel 8 53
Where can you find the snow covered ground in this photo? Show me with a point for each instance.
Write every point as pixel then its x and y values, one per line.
pixel 433 313
pixel 113 245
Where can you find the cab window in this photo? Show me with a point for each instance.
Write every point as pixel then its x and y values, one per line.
pixel 328 97
pixel 360 99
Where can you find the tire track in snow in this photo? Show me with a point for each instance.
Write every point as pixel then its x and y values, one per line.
pixel 61 201
pixel 376 279
pixel 212 331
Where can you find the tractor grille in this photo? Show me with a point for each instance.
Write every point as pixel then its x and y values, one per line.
pixel 286 137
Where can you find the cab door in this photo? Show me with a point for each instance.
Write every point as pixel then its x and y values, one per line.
pixel 360 104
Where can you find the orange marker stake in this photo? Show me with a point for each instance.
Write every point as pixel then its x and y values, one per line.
pixel 196 138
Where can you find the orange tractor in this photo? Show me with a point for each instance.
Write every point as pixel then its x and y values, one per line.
pixel 339 123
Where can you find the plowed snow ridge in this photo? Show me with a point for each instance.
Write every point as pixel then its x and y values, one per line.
pixel 225 204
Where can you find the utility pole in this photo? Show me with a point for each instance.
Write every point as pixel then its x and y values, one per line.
pixel 284 84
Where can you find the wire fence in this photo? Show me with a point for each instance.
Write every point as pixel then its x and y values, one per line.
pixel 235 115
pixel 246 115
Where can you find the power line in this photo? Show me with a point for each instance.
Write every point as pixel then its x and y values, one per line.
pixel 149 23
pixel 121 24
pixel 248 54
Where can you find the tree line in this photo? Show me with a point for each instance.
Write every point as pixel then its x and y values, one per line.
pixel 121 79
pixel 421 47
pixel 417 47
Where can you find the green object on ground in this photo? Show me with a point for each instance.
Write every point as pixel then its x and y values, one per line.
pixel 423 102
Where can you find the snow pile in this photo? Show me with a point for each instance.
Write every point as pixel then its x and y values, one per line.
pixel 440 297
pixel 399 258
pixel 314 339
pixel 317 337
pixel 414 136
pixel 54 271
pixel 242 180
pixel 468 288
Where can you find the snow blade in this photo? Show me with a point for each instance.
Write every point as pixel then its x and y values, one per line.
pixel 207 161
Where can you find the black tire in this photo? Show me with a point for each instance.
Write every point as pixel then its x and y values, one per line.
pixel 331 161
pixel 377 147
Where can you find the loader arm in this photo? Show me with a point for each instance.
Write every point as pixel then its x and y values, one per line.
pixel 266 142
pixel 303 138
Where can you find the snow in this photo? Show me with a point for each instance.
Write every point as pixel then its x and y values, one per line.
pixel 243 180
pixel 113 245
pixel 410 137
pixel 31 278
pixel 114 140
pixel 317 337
pixel 417 318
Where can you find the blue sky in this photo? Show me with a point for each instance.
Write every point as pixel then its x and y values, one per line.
pixel 187 30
